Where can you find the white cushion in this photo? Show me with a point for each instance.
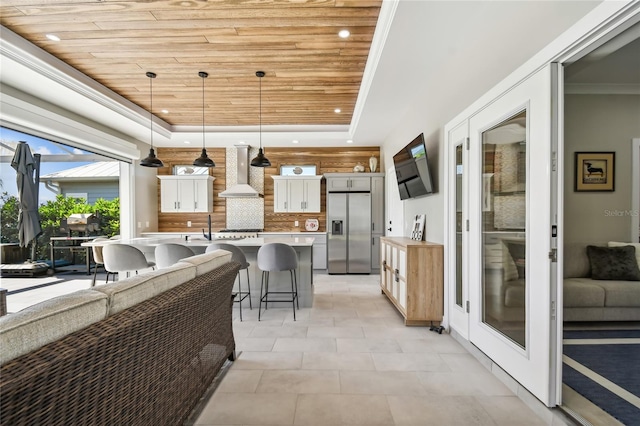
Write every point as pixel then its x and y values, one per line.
pixel 125 293
pixel 619 244
pixel 207 262
pixel 45 322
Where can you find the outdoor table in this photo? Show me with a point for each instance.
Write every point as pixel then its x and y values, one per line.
pixel 73 244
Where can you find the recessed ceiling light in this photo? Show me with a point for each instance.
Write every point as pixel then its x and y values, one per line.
pixel 187 142
pixel 295 141
pixel 165 111
pixel 344 33
pixel 337 110
pixel 242 142
pixel 349 141
pixel 53 37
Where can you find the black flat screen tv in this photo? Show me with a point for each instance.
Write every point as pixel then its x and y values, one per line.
pixel 412 170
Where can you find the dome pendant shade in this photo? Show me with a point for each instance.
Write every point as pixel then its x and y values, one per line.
pixel 203 160
pixel 151 160
pixel 260 160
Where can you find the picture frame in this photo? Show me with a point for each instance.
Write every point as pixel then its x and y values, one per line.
pixel 595 171
pixel 417 232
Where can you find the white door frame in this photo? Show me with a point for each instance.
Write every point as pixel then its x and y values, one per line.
pixel 635 190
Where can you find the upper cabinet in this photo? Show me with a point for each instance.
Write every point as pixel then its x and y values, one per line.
pixel 343 183
pixel 296 194
pixel 186 194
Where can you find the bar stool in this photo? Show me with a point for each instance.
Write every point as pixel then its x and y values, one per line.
pixel 98 259
pixel 237 255
pixel 168 254
pixel 124 258
pixel 278 257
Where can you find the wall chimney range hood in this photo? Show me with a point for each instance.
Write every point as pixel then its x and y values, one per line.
pixel 241 189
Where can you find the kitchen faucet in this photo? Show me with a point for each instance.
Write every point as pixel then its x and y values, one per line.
pixel 208 236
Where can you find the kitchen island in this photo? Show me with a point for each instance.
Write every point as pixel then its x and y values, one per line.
pixel 250 246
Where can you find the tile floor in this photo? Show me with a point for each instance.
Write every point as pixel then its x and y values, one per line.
pixel 349 360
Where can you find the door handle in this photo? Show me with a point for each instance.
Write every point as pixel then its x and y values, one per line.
pixel 388 229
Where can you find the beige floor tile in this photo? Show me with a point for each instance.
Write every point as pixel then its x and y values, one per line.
pixel 509 411
pixel 310 344
pixel 400 332
pixel 255 344
pixel 299 381
pixel 337 361
pixel 249 409
pixel 463 362
pixel 438 411
pixel 268 361
pixel 409 362
pixel 438 343
pixel 462 383
pixel 240 381
pixel 279 331
pixel 380 383
pixel 368 322
pixel 315 331
pixel 346 312
pixel 369 410
pixel 367 345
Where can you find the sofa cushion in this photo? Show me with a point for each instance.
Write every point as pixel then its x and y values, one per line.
pixel 619 244
pixel 613 263
pixel 207 262
pixel 621 293
pixel 45 322
pixel 138 288
pixel 582 292
pixel 576 261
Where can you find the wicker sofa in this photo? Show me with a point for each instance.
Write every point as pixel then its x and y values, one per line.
pixel 140 351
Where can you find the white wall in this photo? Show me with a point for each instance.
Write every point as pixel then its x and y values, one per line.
pixel 600 123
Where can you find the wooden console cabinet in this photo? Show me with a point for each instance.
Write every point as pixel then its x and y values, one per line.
pixel 411 275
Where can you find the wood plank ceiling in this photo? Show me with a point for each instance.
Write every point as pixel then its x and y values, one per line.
pixel 310 71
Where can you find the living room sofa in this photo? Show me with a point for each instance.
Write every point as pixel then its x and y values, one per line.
pixel 140 351
pixel 589 299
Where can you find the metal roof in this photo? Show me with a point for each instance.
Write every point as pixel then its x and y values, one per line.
pixel 101 170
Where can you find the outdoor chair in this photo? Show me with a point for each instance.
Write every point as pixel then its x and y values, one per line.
pixel 278 257
pixel 237 255
pixel 98 259
pixel 124 258
pixel 168 254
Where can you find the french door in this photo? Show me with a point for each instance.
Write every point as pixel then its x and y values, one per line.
pixel 510 221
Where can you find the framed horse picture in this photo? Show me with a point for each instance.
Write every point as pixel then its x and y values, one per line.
pixel 595 171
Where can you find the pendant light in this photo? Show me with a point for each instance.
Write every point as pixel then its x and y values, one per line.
pixel 260 160
pixel 203 160
pixel 151 160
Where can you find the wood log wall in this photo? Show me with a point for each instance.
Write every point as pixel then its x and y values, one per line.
pixel 326 160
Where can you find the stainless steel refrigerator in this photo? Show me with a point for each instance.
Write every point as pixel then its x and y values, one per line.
pixel 349 232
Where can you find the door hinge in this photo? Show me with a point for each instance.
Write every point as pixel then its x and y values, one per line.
pixel 467 306
pixel 467 224
pixel 467 143
pixel 553 255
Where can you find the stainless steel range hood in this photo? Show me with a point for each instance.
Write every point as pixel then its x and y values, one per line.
pixel 241 189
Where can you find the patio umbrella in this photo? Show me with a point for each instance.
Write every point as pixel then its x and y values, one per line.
pixel 27 178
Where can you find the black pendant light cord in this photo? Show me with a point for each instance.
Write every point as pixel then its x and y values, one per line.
pixel 203 160
pixel 151 160
pixel 260 160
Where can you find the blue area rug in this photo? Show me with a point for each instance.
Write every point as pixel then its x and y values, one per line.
pixel 601 334
pixel 619 364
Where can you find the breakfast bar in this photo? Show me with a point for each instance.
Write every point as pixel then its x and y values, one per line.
pixel 250 246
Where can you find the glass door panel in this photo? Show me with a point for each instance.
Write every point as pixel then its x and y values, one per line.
pixel 459 168
pixel 504 174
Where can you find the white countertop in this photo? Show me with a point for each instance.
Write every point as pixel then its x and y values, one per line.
pixel 202 242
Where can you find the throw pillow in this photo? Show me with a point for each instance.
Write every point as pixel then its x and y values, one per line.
pixel 613 263
pixel 636 245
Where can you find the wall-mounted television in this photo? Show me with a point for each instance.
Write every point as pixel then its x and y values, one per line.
pixel 412 170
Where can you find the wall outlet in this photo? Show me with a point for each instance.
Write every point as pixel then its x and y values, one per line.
pixel 296 223
pixel 147 223
pixel 188 224
pixel 139 224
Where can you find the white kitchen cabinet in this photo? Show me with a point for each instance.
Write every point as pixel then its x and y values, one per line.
pixel 341 183
pixel 186 194
pixel 296 194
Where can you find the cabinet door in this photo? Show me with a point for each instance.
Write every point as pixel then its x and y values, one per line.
pixel 280 196
pixel 202 198
pixel 296 195
pixel 360 184
pixel 186 196
pixel 338 184
pixel 312 196
pixel 401 290
pixel 377 205
pixel 375 252
pixel 168 195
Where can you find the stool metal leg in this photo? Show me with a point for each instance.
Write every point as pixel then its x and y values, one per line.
pixel 261 295
pixel 240 295
pixel 293 296
pixel 249 288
